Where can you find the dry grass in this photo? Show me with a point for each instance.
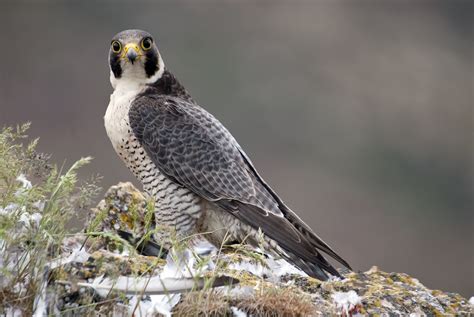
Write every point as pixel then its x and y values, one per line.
pixel 204 303
pixel 276 302
pixel 34 217
pixel 270 302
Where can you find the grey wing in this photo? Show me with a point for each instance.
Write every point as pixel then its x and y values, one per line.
pixel 194 149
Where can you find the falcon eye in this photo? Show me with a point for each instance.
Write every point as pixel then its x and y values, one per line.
pixel 116 47
pixel 146 43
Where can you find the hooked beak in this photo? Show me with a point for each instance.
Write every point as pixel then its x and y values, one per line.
pixel 131 52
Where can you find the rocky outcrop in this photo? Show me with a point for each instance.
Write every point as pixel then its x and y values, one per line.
pixel 105 271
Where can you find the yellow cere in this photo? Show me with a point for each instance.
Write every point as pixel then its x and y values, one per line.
pixel 130 46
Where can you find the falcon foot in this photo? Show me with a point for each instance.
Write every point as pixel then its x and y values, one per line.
pixel 144 247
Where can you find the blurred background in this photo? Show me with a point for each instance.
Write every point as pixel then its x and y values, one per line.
pixel 358 113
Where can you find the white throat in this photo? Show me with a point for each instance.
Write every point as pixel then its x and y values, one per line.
pixel 136 80
pixel 126 88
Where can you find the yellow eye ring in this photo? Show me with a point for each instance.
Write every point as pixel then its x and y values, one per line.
pixel 116 46
pixel 146 43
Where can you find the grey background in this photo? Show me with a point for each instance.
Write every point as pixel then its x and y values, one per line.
pixel 359 113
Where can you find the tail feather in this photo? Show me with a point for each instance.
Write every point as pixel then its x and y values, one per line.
pixel 295 245
pixel 313 269
pixel 307 244
pixel 312 238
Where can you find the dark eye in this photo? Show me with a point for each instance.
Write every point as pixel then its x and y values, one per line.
pixel 146 43
pixel 116 46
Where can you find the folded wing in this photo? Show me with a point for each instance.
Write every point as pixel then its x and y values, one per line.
pixel 195 150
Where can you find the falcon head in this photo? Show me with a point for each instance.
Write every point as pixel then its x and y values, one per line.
pixel 133 56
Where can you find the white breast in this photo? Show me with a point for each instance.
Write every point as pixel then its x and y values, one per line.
pixel 175 205
pixel 116 117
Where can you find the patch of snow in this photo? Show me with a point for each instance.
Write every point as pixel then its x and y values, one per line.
pixel 25 218
pixel 13 312
pixel 154 304
pixel 40 300
pixel 471 300
pixel 125 252
pixel 163 304
pixel 39 205
pixel 346 301
pixel 274 269
pixel 386 304
pixel 239 291
pixel 25 183
pixel 30 221
pixel 281 267
pixel 96 285
pixel 179 264
pixel 78 254
pixel 204 247
pixel 237 312
pixel 36 218
pixel 333 278
pixel 254 268
pixel 13 260
pixel 182 264
pixel 9 209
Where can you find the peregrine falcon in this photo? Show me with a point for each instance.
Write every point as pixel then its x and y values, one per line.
pixel 199 176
